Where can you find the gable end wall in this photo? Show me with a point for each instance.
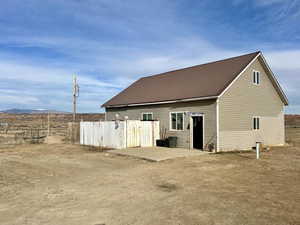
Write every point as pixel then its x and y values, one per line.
pixel 244 100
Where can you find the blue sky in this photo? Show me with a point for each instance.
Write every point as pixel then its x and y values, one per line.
pixel 110 43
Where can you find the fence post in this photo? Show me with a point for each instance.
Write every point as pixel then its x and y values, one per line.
pixel 125 133
pixel 153 139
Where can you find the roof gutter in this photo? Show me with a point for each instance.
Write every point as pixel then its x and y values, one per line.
pixel 163 102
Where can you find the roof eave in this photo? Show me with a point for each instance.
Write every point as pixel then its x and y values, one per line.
pixel 161 102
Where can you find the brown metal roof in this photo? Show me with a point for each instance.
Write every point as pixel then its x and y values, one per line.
pixel 206 80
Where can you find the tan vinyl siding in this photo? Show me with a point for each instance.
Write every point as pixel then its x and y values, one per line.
pixel 244 100
pixel 162 112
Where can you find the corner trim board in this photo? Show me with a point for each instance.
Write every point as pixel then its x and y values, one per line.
pixel 218 125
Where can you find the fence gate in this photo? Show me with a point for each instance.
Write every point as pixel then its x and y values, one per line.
pixel 133 133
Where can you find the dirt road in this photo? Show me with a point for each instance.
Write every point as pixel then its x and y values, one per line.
pixel 65 184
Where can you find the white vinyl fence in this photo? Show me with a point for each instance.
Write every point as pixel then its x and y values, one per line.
pixel 119 134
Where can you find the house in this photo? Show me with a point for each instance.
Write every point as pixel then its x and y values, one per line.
pixel 230 104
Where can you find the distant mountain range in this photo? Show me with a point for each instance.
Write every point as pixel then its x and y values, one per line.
pixel 30 111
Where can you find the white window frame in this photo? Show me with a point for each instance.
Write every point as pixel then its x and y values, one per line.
pixel 170 121
pixel 142 115
pixel 259 123
pixel 256 77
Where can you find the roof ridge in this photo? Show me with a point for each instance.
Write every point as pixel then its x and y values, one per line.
pixel 189 67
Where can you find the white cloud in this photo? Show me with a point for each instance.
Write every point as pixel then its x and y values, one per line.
pixel 271 2
pixel 52 76
pixel 109 44
pixel 39 86
pixel 11 99
pixel 287 69
pixel 94 91
pixel 286 59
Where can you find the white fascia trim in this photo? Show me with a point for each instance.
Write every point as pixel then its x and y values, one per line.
pixel 165 102
pixel 237 77
pixel 275 79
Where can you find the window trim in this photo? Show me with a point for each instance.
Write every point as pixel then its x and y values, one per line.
pixel 170 121
pixel 259 123
pixel 142 116
pixel 256 77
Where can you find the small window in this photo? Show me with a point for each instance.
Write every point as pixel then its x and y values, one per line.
pixel 147 116
pixel 256 77
pixel 256 123
pixel 176 120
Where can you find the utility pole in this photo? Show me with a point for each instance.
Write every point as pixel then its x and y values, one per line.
pixel 75 96
pixel 48 123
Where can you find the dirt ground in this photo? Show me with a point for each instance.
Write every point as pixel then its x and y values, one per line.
pixel 69 184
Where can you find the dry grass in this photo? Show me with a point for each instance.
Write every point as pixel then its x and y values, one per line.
pixel 293 136
pixel 292 120
pixel 58 122
pixel 19 128
pixel 68 184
